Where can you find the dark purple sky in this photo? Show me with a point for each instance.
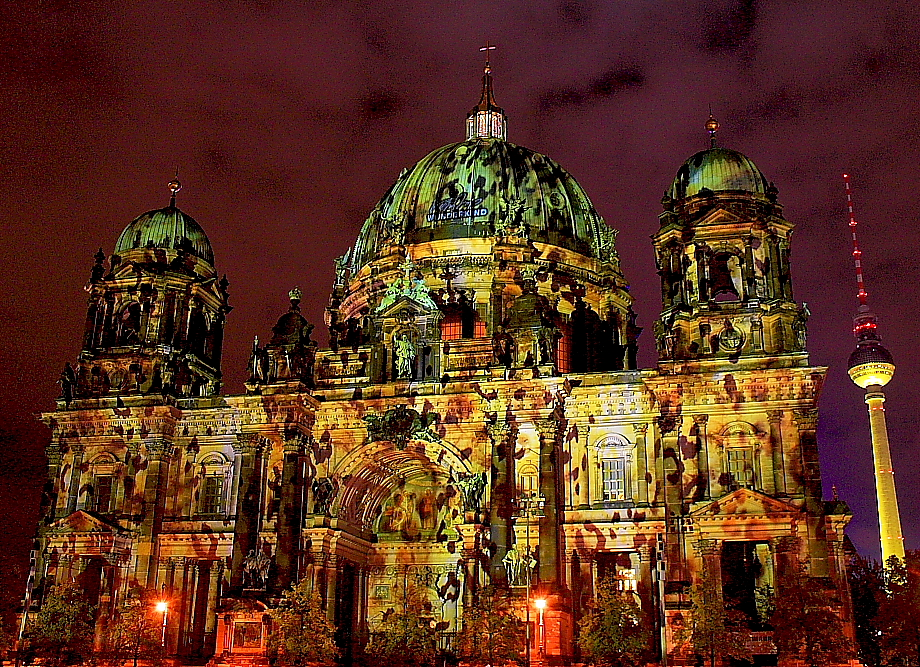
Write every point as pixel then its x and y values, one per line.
pixel 289 119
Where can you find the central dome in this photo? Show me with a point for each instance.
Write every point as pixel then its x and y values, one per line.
pixel 478 188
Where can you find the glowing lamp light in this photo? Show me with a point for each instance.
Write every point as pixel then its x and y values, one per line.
pixel 162 607
pixel 540 604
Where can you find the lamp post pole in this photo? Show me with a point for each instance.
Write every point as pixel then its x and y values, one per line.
pixel 163 608
pixel 531 507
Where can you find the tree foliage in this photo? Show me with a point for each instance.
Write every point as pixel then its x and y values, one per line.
pixel 61 632
pixel 491 633
pixel 406 636
pixel 614 632
pixel 867 590
pixel 805 624
pixel 301 631
pixel 898 621
pixel 135 632
pixel 716 631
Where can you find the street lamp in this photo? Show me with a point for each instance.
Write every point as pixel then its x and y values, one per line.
pixel 531 507
pixel 540 604
pixel 163 608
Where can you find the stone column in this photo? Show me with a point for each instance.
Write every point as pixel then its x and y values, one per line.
pixel 248 449
pixel 775 420
pixel 331 565
pixel 642 476
pixel 470 557
pixel 550 528
pixel 709 553
pixel 289 519
pixel 128 487
pixel 55 454
pixel 76 470
pixel 700 423
pixel 750 291
pixel 159 453
pixel 806 422
pixel 187 475
pixel 217 573
pixel 501 511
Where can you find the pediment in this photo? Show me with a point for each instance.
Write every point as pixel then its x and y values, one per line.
pixel 721 217
pixel 745 502
pixel 405 302
pixel 82 521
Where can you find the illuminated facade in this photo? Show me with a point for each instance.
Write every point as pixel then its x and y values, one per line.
pixel 481 362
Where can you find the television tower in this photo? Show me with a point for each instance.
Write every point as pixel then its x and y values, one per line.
pixel 871 367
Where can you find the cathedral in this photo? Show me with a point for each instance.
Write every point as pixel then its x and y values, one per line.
pixel 474 416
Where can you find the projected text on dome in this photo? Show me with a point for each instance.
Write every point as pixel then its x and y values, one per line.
pixel 457 207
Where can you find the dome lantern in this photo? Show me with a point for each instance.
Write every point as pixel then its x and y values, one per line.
pixel 487 120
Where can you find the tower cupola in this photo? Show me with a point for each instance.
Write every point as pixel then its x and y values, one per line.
pixel 487 120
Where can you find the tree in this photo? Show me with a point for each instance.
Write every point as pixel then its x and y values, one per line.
pixel 714 630
pixel 867 590
pixel 805 625
pixel 301 631
pixel 897 623
pixel 614 632
pixel 406 635
pixel 491 633
pixel 135 632
pixel 62 631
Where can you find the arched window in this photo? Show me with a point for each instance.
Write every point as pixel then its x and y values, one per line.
pixel 101 492
pixel 214 472
pixel 614 469
pixel 740 443
pixel 529 481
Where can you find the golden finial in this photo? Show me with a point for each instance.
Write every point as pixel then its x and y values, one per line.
pixel 174 187
pixel 712 126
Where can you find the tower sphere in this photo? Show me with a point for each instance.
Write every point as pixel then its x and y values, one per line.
pixel 870 364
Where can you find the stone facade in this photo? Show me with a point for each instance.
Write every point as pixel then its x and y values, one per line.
pixel 481 355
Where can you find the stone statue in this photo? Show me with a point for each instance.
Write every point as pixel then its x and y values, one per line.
pixel 255 569
pixel 800 326
pixel 471 487
pixel 502 347
pixel 405 355
pixel 323 493
pixel 518 566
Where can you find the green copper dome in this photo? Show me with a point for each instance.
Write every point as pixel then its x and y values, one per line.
pixel 478 188
pixel 168 229
pixel 718 170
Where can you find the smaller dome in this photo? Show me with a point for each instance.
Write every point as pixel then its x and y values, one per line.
pixel 718 170
pixel 168 229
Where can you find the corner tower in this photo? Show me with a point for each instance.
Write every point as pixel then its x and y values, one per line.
pixel 871 367
pixel 723 257
pixel 156 313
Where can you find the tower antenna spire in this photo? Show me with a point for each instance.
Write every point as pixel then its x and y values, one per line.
pixel 871 367
pixel 857 253
pixel 486 120
pixel 712 126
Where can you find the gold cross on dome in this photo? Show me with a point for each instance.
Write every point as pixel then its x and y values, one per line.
pixel 488 47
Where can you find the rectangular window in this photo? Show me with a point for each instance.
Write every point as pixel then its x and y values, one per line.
pixel 103 494
pixel 741 466
pixel 212 496
pixel 613 478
